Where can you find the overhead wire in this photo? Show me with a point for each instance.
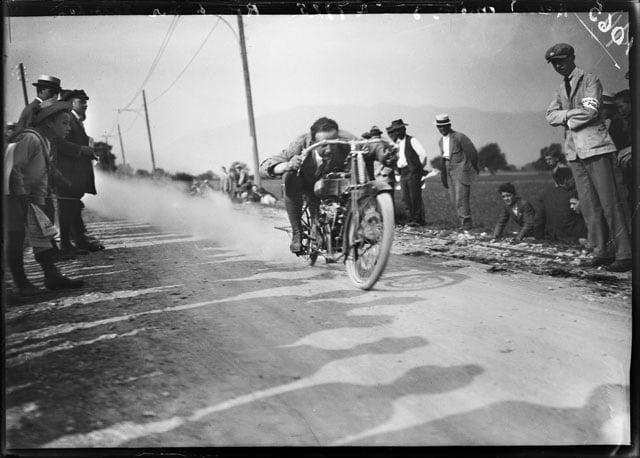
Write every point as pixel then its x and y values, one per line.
pixel 190 61
pixel 154 64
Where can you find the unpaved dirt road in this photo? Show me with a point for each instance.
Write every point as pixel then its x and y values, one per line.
pixel 182 341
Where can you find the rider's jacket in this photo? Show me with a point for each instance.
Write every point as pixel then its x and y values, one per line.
pixel 334 163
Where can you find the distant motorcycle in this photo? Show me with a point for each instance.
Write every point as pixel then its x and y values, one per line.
pixel 354 221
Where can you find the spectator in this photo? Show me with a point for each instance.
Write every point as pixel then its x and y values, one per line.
pixel 412 165
pixel 460 164
pixel 620 131
pixel 10 129
pixel 47 87
pixel 517 210
pixel 74 159
pixel 589 148
pixel 300 173
pixel 384 154
pixel 554 218
pixel 224 181
pixel 29 184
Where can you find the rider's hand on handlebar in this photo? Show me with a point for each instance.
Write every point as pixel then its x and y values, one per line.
pixel 295 162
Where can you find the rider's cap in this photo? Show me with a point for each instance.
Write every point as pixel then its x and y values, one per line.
pixel 559 51
pixel 75 94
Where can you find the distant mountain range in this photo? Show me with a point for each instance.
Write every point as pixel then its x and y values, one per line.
pixel 521 136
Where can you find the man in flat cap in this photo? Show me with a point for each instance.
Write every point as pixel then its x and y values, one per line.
pixel 74 158
pixel 412 165
pixel 47 87
pixel 460 167
pixel 577 107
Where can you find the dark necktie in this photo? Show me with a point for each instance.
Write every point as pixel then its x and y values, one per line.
pixel 567 86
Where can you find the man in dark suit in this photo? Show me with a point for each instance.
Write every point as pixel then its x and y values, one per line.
pixel 460 161
pixel 47 87
pixel 74 157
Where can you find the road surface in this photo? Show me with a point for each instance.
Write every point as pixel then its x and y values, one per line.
pixel 178 340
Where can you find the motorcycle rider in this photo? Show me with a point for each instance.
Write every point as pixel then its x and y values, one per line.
pixel 299 173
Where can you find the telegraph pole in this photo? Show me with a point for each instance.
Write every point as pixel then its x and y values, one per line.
pixel 121 147
pixel 24 85
pixel 247 86
pixel 146 115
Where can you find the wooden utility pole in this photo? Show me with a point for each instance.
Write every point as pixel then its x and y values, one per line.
pixel 146 115
pixel 247 86
pixel 121 147
pixel 24 85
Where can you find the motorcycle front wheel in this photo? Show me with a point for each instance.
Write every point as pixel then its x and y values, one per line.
pixel 369 239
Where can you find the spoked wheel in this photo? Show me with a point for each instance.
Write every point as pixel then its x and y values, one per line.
pixel 369 240
pixel 309 245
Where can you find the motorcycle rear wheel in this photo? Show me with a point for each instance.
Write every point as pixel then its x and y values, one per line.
pixel 369 240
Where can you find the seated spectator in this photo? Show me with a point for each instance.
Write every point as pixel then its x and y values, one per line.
pixel 554 218
pixel 517 210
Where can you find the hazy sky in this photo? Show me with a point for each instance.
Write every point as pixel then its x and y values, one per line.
pixel 490 62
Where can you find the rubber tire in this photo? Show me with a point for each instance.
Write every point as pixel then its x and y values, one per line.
pixel 385 208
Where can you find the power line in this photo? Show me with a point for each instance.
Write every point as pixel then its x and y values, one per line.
pixel 163 46
pixel 189 63
pixel 154 64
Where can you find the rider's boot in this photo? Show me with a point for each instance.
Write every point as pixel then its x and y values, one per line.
pixel 296 242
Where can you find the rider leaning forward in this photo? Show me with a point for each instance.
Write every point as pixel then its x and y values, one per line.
pixel 300 172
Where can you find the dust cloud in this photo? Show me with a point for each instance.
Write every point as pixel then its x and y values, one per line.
pixel 167 206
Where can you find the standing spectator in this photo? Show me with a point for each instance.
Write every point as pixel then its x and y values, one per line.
pixel 47 87
pixel 29 184
pixel 589 149
pixel 383 152
pixel 460 164
pixel 412 165
pixel 224 181
pixel 517 210
pixel 74 160
pixel 620 131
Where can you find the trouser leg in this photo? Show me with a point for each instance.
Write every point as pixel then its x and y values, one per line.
pixel 65 209
pixel 14 251
pixel 602 176
pixel 591 209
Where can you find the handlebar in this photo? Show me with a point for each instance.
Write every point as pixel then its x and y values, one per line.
pixel 338 141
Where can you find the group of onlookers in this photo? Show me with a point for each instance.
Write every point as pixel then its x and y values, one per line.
pixel 48 167
pixel 584 203
pixel 238 184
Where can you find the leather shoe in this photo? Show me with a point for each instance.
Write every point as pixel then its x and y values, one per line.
pixel 620 265
pixel 90 245
pixel 296 242
pixel 71 250
pixel 28 290
pixel 600 261
pixel 59 281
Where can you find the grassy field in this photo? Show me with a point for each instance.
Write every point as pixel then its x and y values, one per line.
pixel 485 201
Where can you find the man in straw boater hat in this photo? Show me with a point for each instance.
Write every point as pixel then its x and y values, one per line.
pixel 460 167
pixel 47 87
pixel 412 165
pixel 28 183
pixel 577 107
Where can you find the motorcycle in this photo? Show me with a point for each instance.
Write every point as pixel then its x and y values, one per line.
pixel 354 220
